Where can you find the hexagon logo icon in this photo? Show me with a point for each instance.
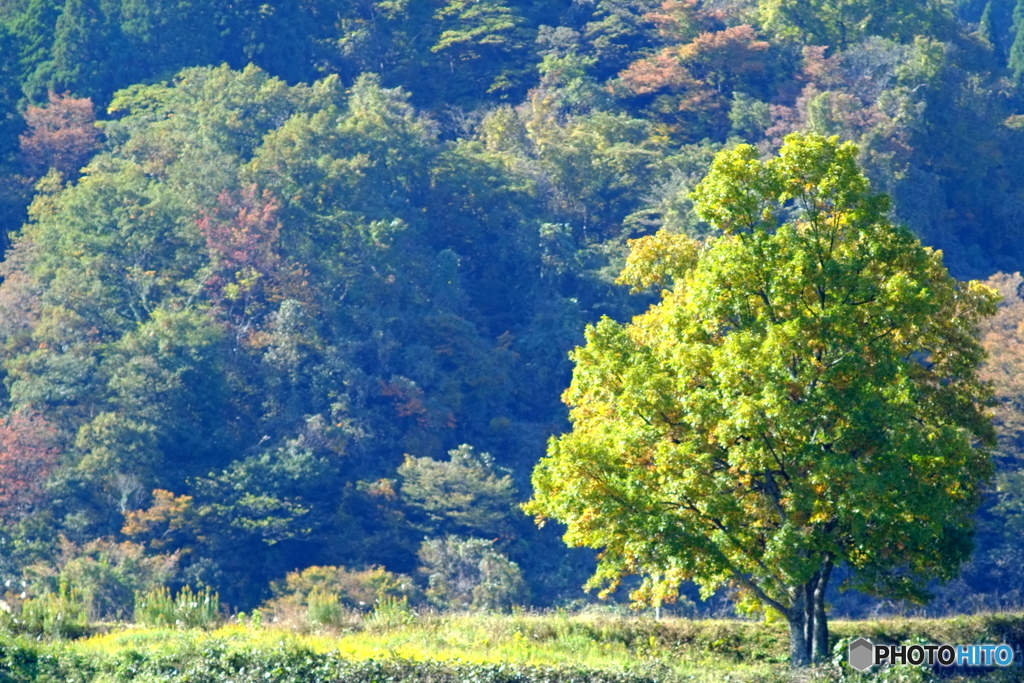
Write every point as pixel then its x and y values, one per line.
pixel 862 654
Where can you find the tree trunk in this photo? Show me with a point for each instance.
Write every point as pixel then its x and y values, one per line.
pixel 808 590
pixel 799 652
pixel 819 638
pixel 808 625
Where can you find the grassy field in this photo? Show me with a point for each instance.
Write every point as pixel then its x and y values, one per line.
pixel 483 648
pixel 691 650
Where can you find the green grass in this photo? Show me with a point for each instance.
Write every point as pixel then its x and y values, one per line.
pixel 691 650
pixel 524 648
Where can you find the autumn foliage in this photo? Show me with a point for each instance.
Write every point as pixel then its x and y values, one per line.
pixel 701 62
pixel 62 135
pixel 27 455
pixel 242 231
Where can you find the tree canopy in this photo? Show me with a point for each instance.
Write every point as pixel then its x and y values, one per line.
pixel 267 265
pixel 805 395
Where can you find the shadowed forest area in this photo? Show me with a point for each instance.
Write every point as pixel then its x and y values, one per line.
pixel 289 288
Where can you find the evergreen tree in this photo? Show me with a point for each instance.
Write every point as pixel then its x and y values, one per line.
pixel 1016 59
pixel 87 58
pixel 987 31
pixel 34 28
pixel 484 44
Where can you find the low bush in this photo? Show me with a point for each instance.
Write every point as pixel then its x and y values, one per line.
pixel 189 609
pixel 60 614
pixel 214 661
pixel 323 608
pixel 110 574
pixel 470 573
pixel 390 612
pixel 352 591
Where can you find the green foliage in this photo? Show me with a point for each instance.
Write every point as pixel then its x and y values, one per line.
pixel 214 659
pixel 1016 58
pixel 489 648
pixel 845 22
pixel 565 81
pixel 109 575
pixel 391 612
pixel 749 117
pixel 337 589
pixel 156 607
pixel 85 48
pixel 463 495
pixel 265 288
pixel 187 609
pixel 59 614
pixel 481 40
pixel 323 608
pixel 470 574
pixel 745 430
pixel 220 361
pixel 986 30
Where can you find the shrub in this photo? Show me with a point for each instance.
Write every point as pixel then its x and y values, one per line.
pixel 323 608
pixel 110 574
pixel 353 589
pixel 189 609
pixel 210 661
pixel 390 612
pixel 470 573
pixel 59 615
pixel 155 608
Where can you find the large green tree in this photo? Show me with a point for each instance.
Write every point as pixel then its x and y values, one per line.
pixel 804 396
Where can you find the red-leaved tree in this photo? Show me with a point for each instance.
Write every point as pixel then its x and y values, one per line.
pixel 242 232
pixel 28 454
pixel 62 135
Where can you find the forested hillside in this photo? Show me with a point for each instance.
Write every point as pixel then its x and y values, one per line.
pixel 292 285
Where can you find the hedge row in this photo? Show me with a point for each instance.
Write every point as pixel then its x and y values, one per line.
pixel 23 661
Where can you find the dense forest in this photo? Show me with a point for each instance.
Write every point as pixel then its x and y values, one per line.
pixel 289 287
